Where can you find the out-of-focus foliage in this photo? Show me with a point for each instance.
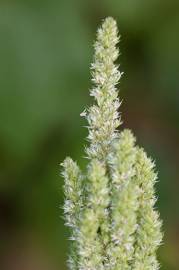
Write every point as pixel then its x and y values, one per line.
pixel 45 53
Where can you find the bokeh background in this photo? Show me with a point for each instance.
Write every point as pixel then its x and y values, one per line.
pixel 45 53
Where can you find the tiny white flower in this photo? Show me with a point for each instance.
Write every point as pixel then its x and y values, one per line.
pixel 83 114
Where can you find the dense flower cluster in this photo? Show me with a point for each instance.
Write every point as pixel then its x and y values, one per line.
pixel 103 117
pixel 110 209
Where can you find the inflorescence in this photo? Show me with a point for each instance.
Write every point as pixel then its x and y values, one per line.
pixel 110 209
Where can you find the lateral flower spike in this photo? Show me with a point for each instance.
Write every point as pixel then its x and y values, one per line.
pixel 73 205
pixel 110 208
pixel 148 234
pixel 91 247
pixel 124 202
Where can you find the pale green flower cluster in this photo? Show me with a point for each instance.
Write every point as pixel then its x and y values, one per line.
pixel 73 205
pixel 103 117
pixel 110 210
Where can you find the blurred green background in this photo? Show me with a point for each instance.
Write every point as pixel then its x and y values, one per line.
pixel 45 53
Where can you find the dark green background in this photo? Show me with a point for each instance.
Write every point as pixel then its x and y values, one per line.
pixel 45 53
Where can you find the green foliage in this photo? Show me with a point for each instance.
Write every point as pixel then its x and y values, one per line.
pixel 110 210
